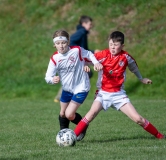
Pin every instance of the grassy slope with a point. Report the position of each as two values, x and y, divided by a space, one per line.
26 29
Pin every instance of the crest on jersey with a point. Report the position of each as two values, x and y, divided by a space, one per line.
72 59
121 63
111 71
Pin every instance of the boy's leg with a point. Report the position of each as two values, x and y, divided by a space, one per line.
77 118
152 129
63 121
83 124
76 121
131 112
74 117
64 102
71 114
76 101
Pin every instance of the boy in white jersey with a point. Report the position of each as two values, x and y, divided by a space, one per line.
110 85
69 63
80 38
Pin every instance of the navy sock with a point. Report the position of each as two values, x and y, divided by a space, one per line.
77 119
64 122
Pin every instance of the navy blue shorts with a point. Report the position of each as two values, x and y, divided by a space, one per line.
79 97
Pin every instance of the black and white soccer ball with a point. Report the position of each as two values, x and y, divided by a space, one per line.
66 137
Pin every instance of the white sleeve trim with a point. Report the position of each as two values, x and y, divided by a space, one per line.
89 55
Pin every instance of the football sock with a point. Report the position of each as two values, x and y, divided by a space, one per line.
77 118
151 129
82 125
64 122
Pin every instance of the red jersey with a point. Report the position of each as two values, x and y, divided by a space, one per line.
112 77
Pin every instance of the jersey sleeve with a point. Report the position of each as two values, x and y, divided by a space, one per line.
132 65
88 56
100 56
51 72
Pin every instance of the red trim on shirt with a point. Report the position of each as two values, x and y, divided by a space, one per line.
53 58
81 59
87 60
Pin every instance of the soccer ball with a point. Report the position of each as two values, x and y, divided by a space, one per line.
66 137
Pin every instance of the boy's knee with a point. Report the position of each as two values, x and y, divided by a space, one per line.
62 114
70 116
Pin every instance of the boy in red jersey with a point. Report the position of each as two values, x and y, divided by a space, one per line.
110 82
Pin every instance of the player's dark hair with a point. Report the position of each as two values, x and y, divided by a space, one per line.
85 19
117 36
61 33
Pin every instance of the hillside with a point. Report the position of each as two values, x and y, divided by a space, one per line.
26 29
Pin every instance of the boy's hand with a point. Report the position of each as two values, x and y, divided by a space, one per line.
146 81
56 79
86 69
98 67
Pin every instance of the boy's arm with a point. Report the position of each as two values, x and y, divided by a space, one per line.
90 57
51 72
146 81
134 68
86 68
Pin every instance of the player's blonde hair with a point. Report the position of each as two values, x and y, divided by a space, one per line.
61 33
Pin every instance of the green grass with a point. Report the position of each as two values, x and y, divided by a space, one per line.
29 127
28 115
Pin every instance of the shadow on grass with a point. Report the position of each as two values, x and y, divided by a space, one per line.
121 139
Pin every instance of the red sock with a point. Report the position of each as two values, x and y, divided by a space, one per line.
82 125
152 130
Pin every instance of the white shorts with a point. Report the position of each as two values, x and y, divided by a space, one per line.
115 99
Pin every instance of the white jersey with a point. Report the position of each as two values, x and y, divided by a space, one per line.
70 68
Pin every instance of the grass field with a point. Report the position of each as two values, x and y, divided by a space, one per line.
29 127
28 115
